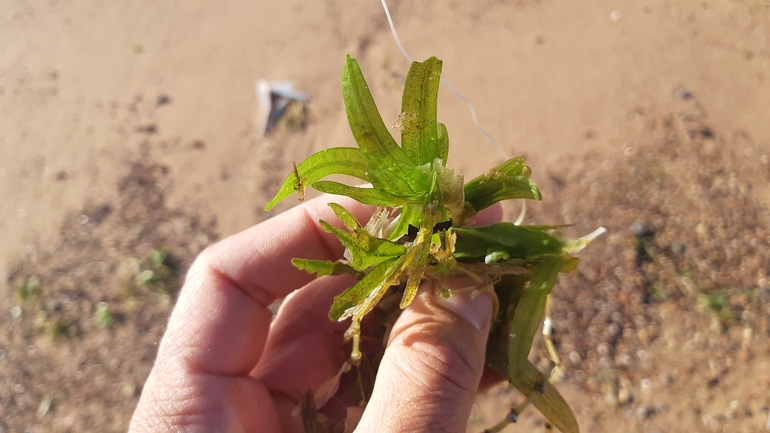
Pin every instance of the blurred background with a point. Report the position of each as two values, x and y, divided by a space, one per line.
130 138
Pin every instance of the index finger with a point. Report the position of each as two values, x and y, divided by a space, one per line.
258 259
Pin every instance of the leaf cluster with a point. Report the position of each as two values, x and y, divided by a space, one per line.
419 229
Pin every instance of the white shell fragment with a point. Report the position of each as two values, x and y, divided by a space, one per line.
273 98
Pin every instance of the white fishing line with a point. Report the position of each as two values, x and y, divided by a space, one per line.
503 152
446 83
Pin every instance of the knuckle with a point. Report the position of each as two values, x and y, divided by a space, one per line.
449 368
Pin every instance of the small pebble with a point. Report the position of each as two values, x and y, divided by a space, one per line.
16 312
624 396
52 305
43 408
642 413
127 389
666 378
611 399
683 94
640 229
162 100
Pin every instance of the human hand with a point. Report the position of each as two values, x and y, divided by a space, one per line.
223 366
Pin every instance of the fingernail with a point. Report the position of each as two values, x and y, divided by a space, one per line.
477 310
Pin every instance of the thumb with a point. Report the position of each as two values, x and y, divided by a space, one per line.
430 372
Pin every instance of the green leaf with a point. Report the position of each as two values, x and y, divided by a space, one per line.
365 250
512 167
529 311
411 214
434 140
371 196
400 180
347 218
545 273
419 125
393 171
507 238
482 195
324 267
549 402
509 180
509 291
337 160
496 256
367 126
528 380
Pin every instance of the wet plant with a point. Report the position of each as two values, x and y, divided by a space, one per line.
420 230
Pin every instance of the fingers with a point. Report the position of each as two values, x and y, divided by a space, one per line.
218 329
429 375
220 323
219 326
221 320
259 258
305 348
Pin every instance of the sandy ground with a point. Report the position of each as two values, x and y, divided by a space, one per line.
549 80
89 88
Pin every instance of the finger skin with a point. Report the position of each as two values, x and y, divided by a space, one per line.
431 370
430 373
221 320
304 348
205 377
490 215
219 326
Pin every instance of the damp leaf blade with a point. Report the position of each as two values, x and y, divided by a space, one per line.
372 196
515 241
550 402
337 160
324 267
420 130
364 249
529 311
482 195
367 126
506 181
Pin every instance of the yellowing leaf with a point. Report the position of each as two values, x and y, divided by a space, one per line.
323 267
